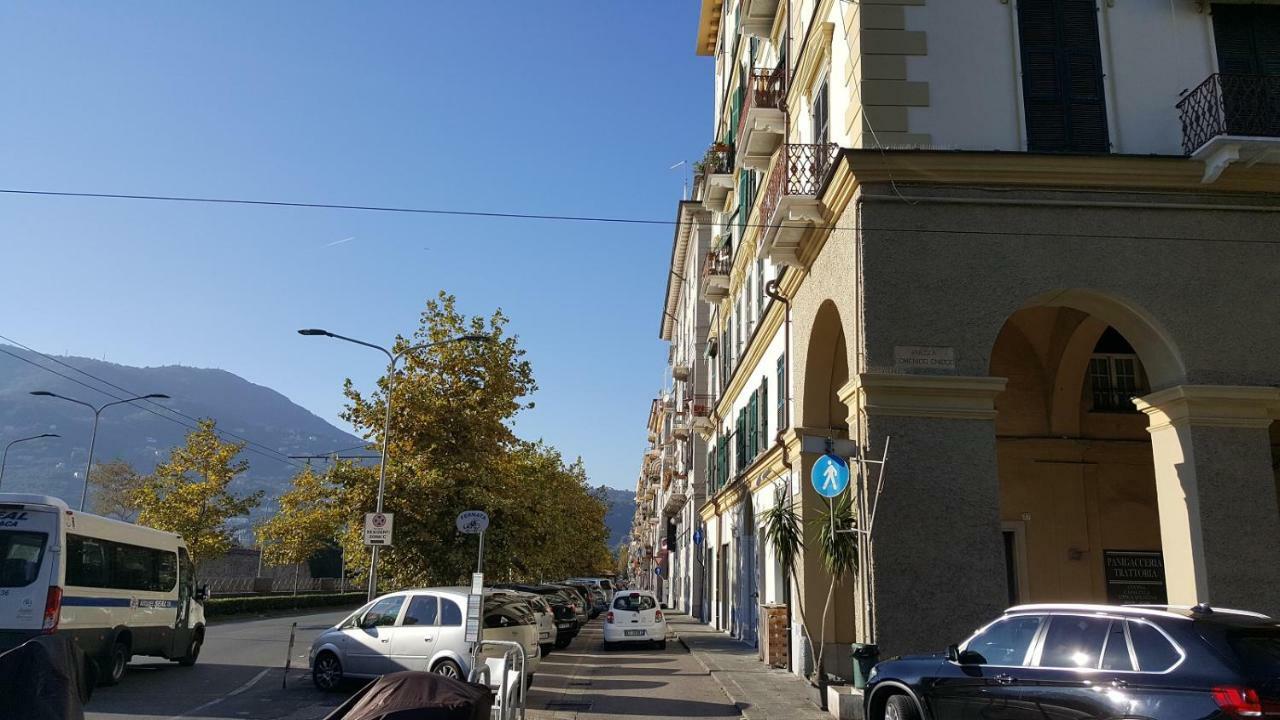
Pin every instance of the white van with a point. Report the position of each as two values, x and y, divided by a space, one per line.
118 589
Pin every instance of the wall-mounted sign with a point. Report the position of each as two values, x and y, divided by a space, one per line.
1134 577
923 358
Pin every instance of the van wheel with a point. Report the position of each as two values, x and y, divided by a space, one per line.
327 672
117 660
193 651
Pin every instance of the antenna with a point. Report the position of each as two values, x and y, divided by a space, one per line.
684 193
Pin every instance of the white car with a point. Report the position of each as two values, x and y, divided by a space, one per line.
545 615
635 616
419 630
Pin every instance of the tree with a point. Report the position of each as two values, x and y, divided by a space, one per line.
307 522
452 448
622 560
190 493
115 488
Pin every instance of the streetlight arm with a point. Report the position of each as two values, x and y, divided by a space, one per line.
379 348
46 393
155 396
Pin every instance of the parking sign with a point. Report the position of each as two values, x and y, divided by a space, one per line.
377 528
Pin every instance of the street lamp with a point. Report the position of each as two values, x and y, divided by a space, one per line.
5 456
93 437
392 359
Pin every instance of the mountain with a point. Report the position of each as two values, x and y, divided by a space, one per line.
133 433
622 507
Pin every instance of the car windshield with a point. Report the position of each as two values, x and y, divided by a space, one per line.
20 557
634 602
1259 652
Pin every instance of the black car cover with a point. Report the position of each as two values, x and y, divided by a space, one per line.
417 696
44 679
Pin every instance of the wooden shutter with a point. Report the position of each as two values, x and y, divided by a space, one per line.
764 412
753 426
780 386
1062 76
1247 39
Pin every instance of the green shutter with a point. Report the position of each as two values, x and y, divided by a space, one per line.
764 413
782 395
753 426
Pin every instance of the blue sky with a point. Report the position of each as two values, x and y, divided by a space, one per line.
557 107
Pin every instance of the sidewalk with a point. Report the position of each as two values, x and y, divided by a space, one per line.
760 692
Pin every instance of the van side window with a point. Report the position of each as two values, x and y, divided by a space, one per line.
93 562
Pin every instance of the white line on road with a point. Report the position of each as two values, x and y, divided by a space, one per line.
243 688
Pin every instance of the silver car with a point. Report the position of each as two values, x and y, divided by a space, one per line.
418 630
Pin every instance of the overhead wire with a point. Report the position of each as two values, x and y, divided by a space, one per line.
250 444
640 221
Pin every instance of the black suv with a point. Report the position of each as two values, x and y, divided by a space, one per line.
1060 662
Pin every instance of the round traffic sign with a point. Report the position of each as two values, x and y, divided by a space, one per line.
472 522
379 520
830 475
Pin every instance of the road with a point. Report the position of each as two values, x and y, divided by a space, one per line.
241 668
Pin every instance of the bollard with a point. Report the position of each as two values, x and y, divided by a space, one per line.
288 658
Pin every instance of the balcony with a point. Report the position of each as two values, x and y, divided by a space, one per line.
700 407
715 276
790 205
681 425
1231 118
676 497
757 16
761 123
681 371
717 171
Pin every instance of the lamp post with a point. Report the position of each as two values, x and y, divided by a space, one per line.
5 457
392 359
93 437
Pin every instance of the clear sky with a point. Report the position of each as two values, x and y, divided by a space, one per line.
554 106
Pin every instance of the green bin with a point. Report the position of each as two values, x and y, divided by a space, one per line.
864 657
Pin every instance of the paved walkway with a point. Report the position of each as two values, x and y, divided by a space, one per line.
760 692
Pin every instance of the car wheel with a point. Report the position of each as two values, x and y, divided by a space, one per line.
608 646
662 644
562 643
117 661
326 673
900 707
547 648
193 651
449 669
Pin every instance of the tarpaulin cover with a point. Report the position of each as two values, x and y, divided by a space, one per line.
417 696
44 679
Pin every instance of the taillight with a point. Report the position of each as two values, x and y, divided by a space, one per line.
609 618
658 616
1238 702
52 609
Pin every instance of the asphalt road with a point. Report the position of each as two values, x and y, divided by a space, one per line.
238 675
242 665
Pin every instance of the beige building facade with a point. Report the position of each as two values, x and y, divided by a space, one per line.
1033 244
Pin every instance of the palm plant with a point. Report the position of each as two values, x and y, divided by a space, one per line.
837 538
782 528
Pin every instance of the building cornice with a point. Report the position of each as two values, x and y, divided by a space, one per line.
949 397
1211 406
709 18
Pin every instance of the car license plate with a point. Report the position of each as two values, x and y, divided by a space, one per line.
633 633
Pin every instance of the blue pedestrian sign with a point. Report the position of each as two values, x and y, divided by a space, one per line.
697 537
830 475
658 571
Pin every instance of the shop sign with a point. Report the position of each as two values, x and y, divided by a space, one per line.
1134 577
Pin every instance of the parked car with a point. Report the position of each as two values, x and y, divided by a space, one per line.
635 616
585 593
1056 662
542 612
418 630
569 609
596 601
600 583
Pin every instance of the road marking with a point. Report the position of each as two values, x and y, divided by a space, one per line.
243 688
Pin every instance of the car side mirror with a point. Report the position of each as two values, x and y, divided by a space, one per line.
953 653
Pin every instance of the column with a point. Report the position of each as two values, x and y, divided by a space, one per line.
1216 489
937 557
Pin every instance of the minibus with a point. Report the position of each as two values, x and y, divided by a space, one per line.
116 588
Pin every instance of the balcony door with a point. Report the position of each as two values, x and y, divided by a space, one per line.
1247 39
1062 85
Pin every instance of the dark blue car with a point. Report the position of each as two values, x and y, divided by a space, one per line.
1071 662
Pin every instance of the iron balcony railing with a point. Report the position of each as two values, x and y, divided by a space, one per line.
1109 400
1246 105
717 263
801 170
763 90
718 160
700 406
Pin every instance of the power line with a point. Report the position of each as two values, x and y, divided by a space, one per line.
278 456
625 221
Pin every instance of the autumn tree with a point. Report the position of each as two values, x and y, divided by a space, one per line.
452 448
308 520
190 493
115 488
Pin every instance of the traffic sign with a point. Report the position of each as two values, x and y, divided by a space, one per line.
658 571
830 475
473 522
377 528
697 537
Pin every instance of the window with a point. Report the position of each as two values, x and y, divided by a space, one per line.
21 554
1115 375
93 562
1115 654
1247 38
1062 76
634 603
1007 641
1154 651
760 288
821 114
450 613
1074 641
383 612
753 427
422 610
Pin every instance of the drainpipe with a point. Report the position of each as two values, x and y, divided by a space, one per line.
771 289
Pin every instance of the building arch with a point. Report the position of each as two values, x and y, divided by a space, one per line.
826 371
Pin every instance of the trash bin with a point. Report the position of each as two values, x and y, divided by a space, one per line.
864 657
